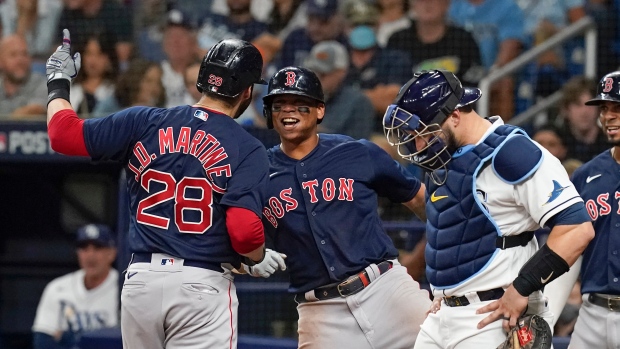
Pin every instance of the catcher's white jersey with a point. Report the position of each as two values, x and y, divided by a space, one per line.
66 305
517 208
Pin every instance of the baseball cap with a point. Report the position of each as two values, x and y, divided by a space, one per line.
359 12
362 37
321 8
327 56
176 17
98 234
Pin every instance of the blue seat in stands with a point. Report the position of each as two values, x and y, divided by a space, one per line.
560 342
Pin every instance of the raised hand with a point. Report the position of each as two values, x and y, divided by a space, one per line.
61 65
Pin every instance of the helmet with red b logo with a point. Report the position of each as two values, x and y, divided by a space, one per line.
294 81
608 89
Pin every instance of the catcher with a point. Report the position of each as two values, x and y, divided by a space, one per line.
489 187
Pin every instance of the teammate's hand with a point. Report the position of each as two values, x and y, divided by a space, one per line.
268 266
435 306
508 308
61 65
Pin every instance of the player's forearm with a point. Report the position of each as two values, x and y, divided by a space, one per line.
417 205
55 106
569 241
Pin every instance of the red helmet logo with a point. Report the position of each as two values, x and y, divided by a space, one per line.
609 85
290 78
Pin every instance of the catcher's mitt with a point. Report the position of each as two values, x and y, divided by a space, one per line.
531 332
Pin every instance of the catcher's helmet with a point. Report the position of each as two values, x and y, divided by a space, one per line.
295 81
229 67
420 108
608 89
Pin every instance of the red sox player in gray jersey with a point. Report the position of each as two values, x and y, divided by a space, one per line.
322 212
196 182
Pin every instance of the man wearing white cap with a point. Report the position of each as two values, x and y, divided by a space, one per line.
348 111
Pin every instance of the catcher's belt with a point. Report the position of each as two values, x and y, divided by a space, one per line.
609 302
351 285
531 332
454 301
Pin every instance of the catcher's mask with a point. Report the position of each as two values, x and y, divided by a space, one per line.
417 113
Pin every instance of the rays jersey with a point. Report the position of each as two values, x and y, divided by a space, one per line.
514 208
183 166
66 305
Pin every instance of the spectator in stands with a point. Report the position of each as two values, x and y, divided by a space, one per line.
497 26
377 71
286 16
394 18
582 133
140 85
84 18
325 22
552 138
348 111
543 19
190 77
36 20
239 24
181 51
87 299
432 43
22 93
91 90
150 21
606 15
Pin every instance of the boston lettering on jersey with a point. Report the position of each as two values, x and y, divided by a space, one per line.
203 146
277 207
601 206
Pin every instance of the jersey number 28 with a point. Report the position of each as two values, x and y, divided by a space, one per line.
173 190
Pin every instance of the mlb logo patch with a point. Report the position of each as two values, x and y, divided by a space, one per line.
201 115
167 261
3 142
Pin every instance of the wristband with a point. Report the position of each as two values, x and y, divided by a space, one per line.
249 262
58 88
544 267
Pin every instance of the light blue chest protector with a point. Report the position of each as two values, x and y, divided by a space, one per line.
462 236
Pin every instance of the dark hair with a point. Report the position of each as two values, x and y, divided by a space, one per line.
467 108
128 85
277 21
554 129
108 47
405 6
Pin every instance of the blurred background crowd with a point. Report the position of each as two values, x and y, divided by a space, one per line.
148 53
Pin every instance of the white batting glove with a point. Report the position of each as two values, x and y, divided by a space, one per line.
270 264
61 65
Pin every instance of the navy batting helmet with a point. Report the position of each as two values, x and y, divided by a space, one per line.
420 108
294 81
608 89
229 67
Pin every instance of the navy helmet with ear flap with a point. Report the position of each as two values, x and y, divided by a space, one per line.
608 89
294 81
230 66
419 110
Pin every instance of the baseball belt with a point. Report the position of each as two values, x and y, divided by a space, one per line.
350 286
142 257
611 303
461 301
504 242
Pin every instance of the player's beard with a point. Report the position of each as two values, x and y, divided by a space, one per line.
242 107
451 143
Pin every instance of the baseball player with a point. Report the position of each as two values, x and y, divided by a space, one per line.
322 212
196 182
598 182
84 300
489 187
